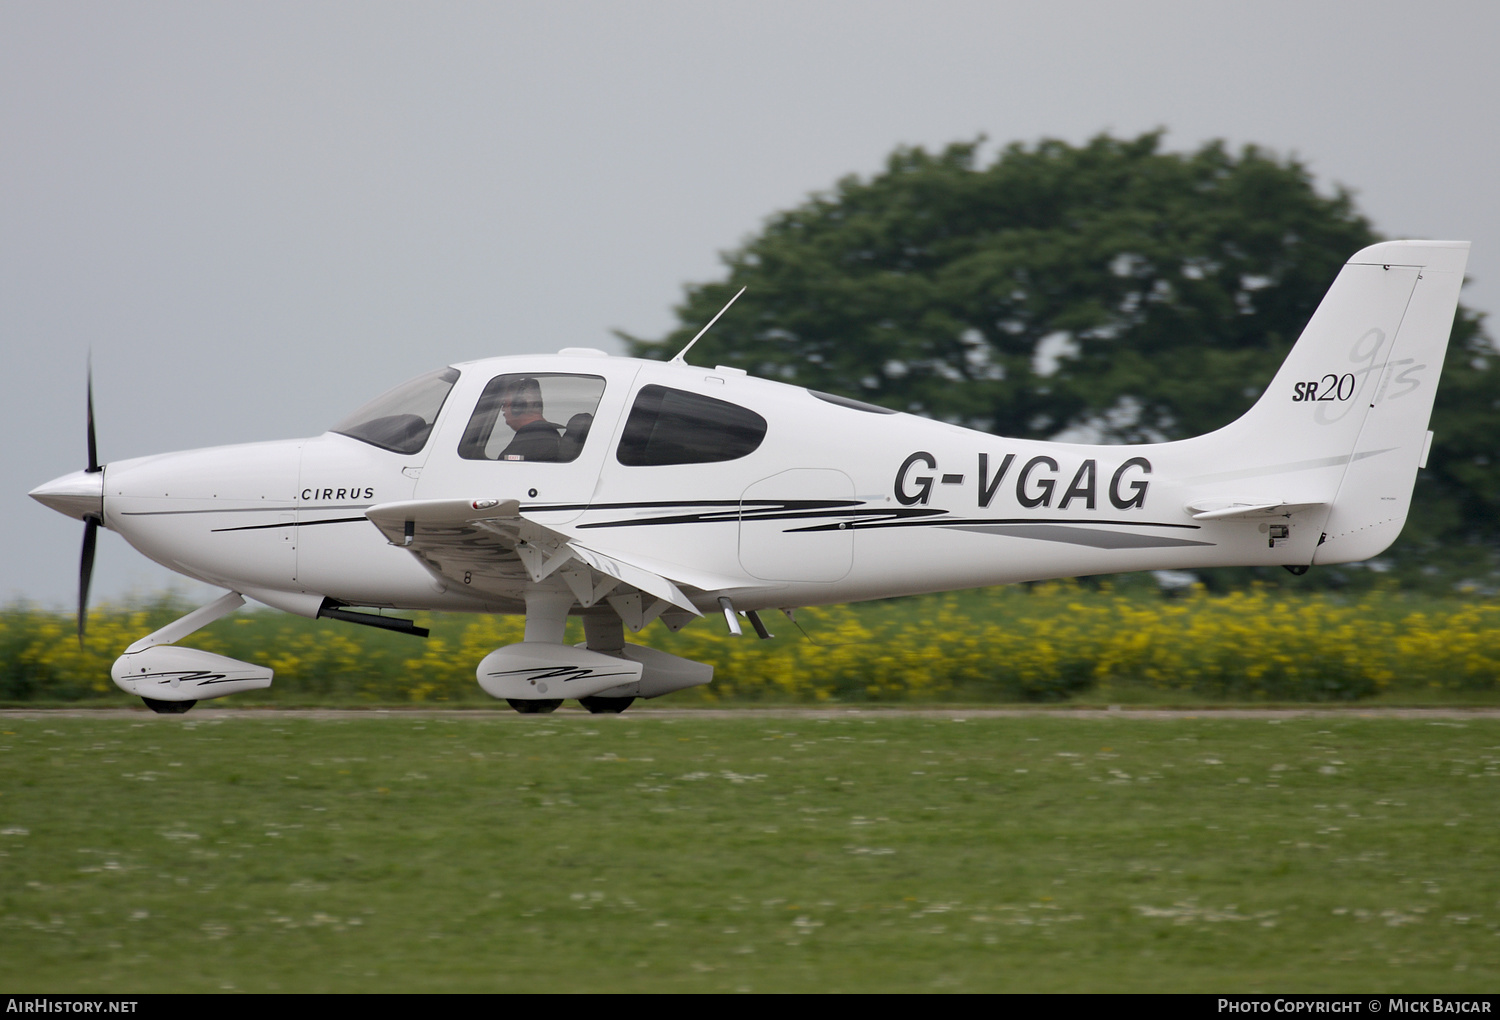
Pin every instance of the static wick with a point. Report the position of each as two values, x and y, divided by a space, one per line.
683 353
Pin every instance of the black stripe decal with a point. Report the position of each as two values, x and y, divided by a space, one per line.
231 510
295 524
766 510
846 514
969 523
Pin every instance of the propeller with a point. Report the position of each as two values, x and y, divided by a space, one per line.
93 443
90 521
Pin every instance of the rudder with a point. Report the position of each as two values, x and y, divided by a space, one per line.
1394 400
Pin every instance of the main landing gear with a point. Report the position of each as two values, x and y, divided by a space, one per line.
603 674
546 618
596 705
538 707
606 706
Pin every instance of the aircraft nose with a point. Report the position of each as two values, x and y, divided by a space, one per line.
80 494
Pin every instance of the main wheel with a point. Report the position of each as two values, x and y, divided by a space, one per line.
168 707
606 706
529 707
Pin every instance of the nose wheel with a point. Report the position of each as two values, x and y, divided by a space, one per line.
168 707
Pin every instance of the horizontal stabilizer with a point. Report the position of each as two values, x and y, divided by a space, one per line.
1225 510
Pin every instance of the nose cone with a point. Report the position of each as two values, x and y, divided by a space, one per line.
80 494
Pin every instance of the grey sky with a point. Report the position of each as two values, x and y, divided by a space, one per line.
259 215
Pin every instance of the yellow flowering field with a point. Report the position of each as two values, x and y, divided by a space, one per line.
1054 641
1045 642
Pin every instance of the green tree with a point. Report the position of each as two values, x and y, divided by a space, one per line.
1112 290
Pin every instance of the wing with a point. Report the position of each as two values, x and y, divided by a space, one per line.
488 545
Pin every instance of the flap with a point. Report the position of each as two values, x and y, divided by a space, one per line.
488 545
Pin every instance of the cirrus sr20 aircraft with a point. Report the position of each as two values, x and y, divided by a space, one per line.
627 491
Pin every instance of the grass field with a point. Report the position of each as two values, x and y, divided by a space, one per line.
487 851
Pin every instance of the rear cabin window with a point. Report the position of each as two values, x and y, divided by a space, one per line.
401 419
543 417
669 426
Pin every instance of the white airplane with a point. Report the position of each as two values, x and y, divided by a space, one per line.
627 491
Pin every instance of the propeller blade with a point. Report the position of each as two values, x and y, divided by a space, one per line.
93 443
86 572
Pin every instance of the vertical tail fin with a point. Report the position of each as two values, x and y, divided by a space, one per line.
1345 420
1396 403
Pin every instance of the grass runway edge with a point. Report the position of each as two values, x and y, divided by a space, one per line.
762 850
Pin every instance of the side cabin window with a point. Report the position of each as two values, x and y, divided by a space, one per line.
542 417
401 419
669 426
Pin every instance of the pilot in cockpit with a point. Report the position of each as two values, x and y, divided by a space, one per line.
536 438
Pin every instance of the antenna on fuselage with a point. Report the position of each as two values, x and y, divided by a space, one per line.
683 353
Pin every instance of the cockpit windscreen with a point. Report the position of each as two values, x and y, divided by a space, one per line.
401 419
